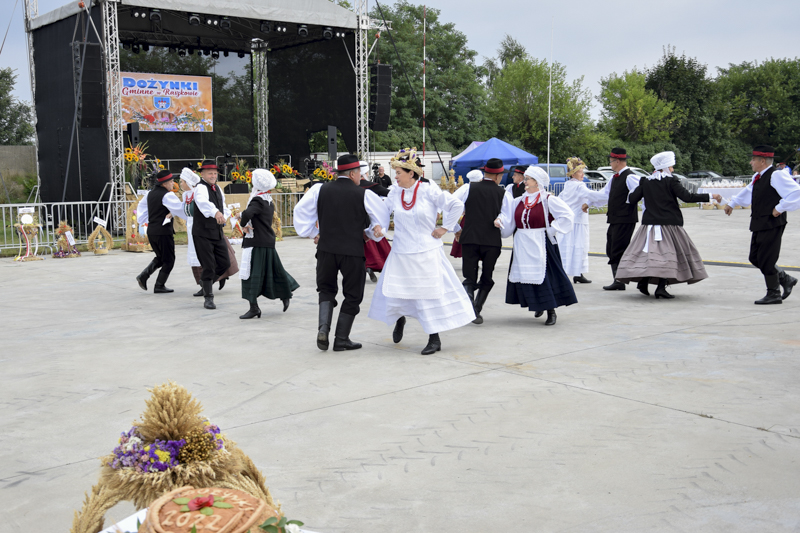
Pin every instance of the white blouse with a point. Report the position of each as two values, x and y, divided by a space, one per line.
306 214
575 194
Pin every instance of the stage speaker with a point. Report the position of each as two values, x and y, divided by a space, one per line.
332 150
91 96
380 96
133 133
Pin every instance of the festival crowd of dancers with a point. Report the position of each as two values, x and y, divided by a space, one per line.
347 218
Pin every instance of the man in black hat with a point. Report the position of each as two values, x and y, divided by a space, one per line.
517 185
771 194
621 215
210 214
336 215
480 240
162 204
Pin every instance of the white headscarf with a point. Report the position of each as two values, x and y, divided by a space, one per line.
539 175
363 167
474 175
661 162
263 182
190 177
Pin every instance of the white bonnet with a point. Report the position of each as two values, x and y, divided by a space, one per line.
474 175
663 160
190 177
539 175
263 180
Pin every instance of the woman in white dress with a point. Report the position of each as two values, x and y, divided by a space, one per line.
418 280
574 245
536 279
189 181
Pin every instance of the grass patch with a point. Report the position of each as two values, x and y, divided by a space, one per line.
17 188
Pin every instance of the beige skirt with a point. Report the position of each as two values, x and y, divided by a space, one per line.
673 258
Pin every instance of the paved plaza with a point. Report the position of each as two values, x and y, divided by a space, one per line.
629 415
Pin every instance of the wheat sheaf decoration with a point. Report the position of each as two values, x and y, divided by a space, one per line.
171 446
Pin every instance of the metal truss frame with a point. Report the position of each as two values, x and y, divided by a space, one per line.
261 96
361 67
116 145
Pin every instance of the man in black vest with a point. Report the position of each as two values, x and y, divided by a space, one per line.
344 211
771 194
621 215
517 185
210 214
162 204
374 252
480 239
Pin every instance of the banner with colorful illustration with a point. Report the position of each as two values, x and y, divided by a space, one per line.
167 102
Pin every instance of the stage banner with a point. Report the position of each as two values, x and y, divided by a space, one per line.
167 102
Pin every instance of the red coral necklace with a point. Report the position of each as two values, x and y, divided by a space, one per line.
408 205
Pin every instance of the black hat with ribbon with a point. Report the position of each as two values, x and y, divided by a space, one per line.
346 163
164 175
494 166
209 164
618 153
764 150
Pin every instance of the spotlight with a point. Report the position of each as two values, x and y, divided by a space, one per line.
241 54
155 15
280 28
181 52
194 19
302 30
225 53
146 47
189 51
135 48
212 21
139 13
340 34
206 52
215 54
126 46
225 23
327 33
265 27
171 49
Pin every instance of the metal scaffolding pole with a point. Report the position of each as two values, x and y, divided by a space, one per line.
31 11
115 122
362 79
261 93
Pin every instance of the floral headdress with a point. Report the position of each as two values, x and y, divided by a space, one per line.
407 159
574 164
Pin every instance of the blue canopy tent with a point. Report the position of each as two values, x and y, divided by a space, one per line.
493 148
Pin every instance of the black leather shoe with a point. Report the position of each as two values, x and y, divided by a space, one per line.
222 283
580 279
161 289
434 344
642 286
208 294
340 345
551 318
198 293
537 314
253 312
325 318
773 297
286 303
342 340
480 300
397 334
788 283
616 286
372 277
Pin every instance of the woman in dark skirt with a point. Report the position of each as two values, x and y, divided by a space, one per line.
536 279
262 273
661 252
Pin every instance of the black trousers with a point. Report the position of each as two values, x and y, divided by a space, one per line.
164 247
765 247
354 274
213 257
471 255
618 237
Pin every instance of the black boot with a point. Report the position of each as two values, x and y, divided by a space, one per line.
642 286
208 294
342 340
580 279
787 282
397 334
325 318
773 291
161 289
253 312
661 290
372 277
537 314
199 293
286 302
480 299
146 273
551 318
433 346
616 285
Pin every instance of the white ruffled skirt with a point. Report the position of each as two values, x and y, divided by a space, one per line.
574 249
191 255
422 286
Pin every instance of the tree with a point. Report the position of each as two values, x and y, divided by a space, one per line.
633 113
16 118
456 103
510 50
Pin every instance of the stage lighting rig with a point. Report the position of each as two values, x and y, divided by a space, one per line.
327 33
225 23
155 16
194 19
126 46
225 53
206 52
302 30
265 27
171 49
340 34
280 28
212 21
135 48
240 54
215 54
146 47
139 13
181 52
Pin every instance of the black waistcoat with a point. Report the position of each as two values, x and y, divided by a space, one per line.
765 198
480 211
377 188
619 211
259 213
518 189
157 212
203 226
342 218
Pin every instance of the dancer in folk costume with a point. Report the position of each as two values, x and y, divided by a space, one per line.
517 185
375 252
337 215
262 272
480 239
189 181
574 245
473 176
418 280
621 216
661 252
771 194
536 279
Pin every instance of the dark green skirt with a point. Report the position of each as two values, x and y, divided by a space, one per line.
267 277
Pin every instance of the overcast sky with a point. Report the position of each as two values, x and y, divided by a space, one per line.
592 38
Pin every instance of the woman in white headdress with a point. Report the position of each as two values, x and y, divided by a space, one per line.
189 181
574 245
661 251
536 279
418 280
262 272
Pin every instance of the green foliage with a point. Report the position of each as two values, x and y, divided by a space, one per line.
633 113
16 118
456 99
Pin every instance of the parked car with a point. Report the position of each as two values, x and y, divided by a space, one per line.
690 185
597 176
700 175
636 170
